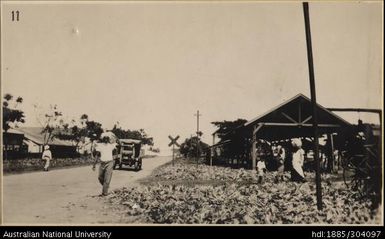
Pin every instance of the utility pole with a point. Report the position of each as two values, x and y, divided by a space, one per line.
313 102
212 151
197 115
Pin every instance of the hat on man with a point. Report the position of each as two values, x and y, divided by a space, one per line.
108 135
296 142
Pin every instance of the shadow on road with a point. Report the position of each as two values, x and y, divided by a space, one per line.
128 169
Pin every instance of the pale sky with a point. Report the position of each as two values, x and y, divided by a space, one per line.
153 65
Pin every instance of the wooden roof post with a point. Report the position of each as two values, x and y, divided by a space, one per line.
212 151
256 128
331 159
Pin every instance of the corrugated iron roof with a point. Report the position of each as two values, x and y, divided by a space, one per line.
130 141
13 131
292 119
35 134
290 101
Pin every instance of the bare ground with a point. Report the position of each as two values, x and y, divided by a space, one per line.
67 196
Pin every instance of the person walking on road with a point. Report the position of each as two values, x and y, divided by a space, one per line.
105 154
47 156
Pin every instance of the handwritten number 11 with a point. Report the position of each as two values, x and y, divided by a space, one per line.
15 15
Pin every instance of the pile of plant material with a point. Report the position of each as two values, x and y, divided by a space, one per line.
271 202
190 172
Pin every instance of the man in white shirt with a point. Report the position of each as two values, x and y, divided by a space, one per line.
105 149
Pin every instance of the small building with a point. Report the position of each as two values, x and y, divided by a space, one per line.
291 119
33 139
12 139
13 146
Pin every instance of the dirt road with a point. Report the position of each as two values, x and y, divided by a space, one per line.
65 196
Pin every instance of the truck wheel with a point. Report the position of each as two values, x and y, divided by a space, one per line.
139 164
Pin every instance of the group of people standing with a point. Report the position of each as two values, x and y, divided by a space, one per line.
276 158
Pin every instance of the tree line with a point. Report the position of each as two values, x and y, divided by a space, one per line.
193 146
54 125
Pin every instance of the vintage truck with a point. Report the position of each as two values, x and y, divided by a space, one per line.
129 153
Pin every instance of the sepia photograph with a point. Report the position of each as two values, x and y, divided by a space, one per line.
247 113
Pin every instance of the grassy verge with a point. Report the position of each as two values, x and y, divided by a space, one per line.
15 166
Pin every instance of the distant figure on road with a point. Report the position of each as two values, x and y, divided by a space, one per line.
106 148
47 156
297 174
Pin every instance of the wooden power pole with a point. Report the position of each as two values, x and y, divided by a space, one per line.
197 115
314 103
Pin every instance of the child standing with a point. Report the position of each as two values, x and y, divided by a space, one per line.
261 169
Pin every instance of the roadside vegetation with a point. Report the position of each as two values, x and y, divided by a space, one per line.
187 193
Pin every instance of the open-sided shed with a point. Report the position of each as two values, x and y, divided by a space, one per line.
291 119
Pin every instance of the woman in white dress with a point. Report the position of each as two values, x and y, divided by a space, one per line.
297 174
